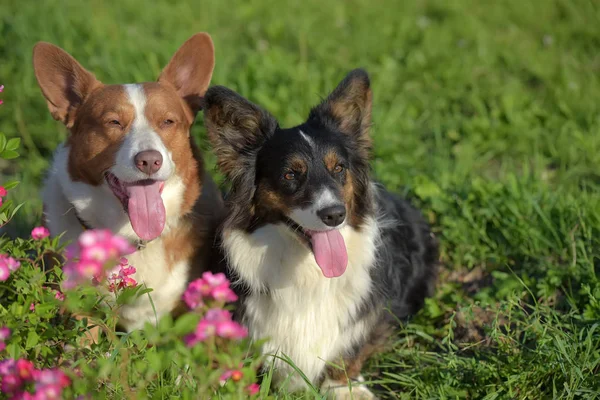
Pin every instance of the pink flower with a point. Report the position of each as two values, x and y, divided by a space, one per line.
4 272
129 282
253 389
10 383
24 369
214 280
2 346
215 286
224 376
7 265
119 278
40 232
235 375
51 377
217 315
98 252
121 245
224 293
90 237
126 271
1 88
3 191
32 307
48 392
231 330
13 264
90 257
59 296
193 295
4 333
205 329
7 366
89 269
1 101
191 340
49 383
216 322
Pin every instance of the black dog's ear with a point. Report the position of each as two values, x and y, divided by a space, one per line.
348 107
236 129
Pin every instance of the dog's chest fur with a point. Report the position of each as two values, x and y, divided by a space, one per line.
304 315
100 209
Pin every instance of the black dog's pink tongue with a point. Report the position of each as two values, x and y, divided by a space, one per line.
146 209
330 252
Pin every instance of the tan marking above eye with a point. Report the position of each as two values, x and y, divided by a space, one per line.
331 161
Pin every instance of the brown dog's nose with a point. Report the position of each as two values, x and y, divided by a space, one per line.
148 161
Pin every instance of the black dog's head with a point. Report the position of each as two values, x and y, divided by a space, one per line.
313 177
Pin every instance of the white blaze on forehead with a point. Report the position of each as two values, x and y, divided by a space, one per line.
137 98
310 141
141 136
307 217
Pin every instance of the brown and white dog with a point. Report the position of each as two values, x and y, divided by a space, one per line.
130 165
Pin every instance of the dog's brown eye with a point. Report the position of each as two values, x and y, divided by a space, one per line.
115 122
168 122
338 168
290 176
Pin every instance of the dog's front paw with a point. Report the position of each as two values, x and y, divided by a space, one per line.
336 390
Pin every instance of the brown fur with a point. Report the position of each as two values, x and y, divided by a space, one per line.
64 82
87 107
331 160
348 110
243 126
352 108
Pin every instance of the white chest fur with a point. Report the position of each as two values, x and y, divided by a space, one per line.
100 208
302 314
167 281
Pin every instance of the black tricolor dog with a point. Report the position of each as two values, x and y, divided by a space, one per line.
318 250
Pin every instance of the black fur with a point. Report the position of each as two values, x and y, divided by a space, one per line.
256 154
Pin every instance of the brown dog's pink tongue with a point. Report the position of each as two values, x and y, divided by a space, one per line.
330 252
146 210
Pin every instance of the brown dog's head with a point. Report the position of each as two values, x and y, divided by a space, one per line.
129 157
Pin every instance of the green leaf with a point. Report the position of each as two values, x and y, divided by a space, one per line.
9 154
13 144
186 323
154 361
10 184
2 142
32 340
130 294
14 211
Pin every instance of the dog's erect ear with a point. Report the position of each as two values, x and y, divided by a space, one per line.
348 107
236 129
190 69
64 82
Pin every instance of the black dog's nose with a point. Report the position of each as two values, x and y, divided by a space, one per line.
148 161
332 216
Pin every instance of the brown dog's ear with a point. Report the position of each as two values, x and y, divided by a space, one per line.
190 69
64 82
348 107
236 128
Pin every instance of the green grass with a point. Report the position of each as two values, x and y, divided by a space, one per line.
487 114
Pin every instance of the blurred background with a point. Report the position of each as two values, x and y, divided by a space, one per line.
486 114
462 89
